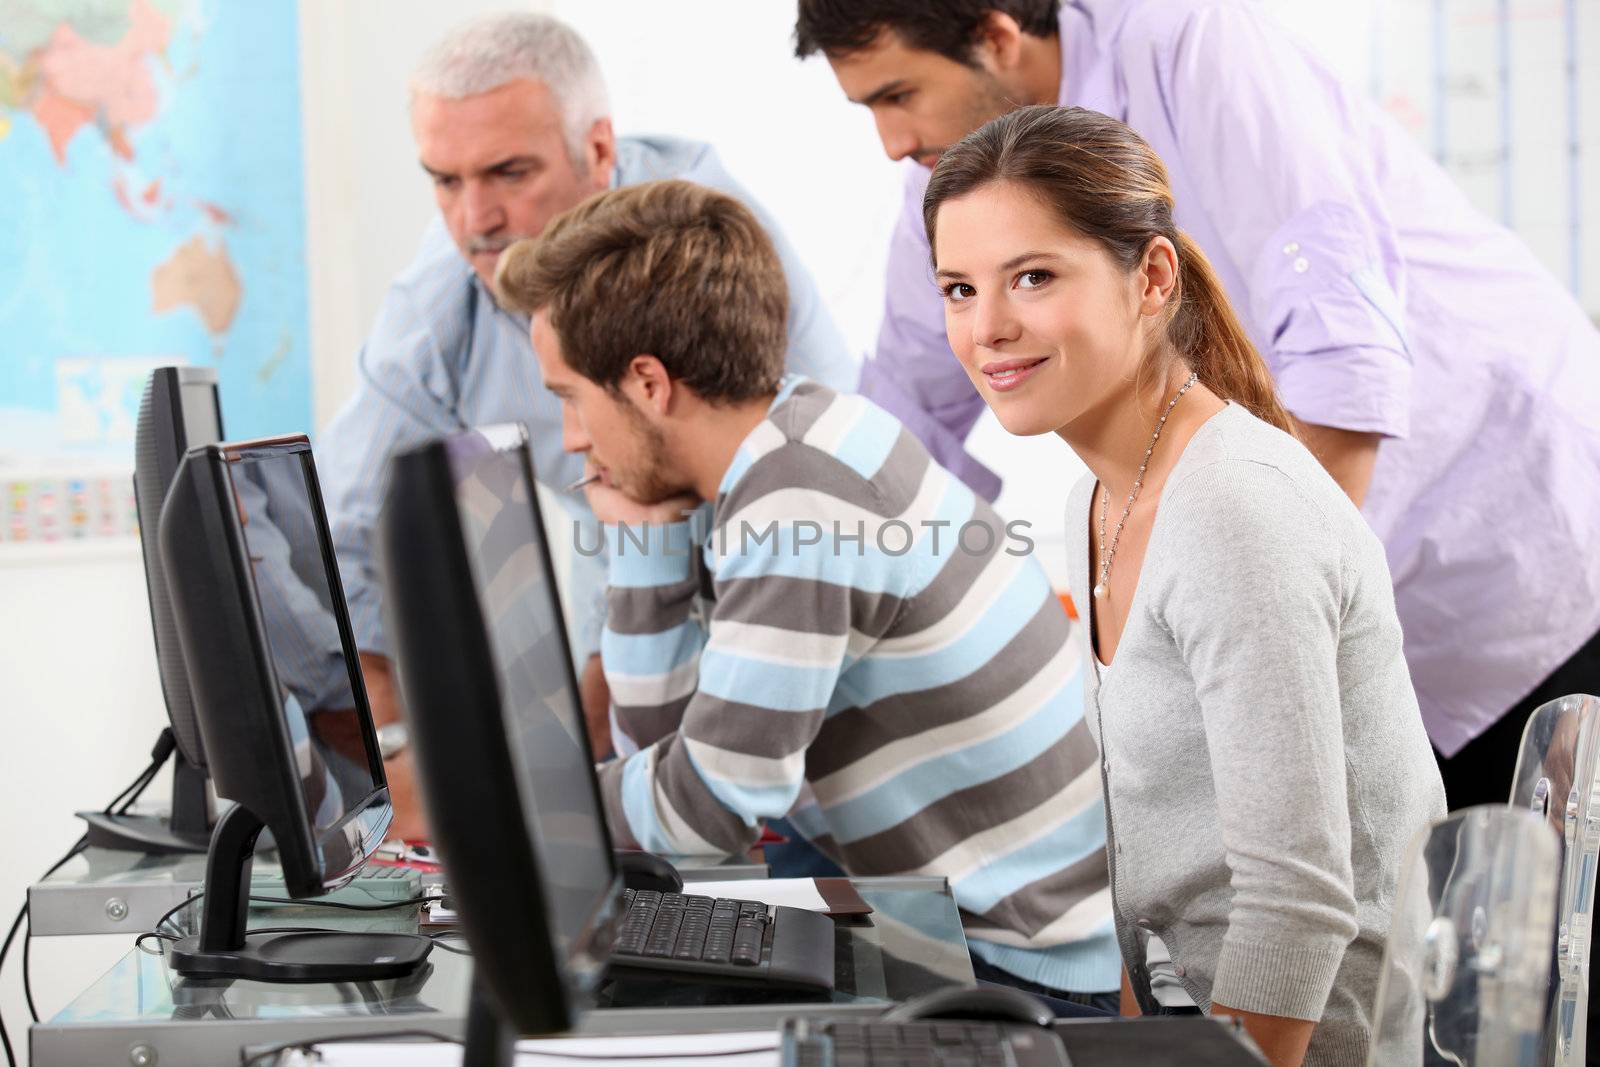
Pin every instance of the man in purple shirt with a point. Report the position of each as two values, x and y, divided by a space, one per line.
1441 374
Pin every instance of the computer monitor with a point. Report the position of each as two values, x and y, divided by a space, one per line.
180 410
496 723
261 619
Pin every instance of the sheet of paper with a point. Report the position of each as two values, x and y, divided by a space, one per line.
757 1049
787 892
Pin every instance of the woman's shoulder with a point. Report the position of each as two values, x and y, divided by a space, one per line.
1249 482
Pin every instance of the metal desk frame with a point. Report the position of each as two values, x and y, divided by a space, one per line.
929 948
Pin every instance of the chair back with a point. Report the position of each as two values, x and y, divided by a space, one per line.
1556 780
1466 971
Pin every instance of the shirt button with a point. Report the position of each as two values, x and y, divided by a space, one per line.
1291 248
1143 924
1177 969
1302 265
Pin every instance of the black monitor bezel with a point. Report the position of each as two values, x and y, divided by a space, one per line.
446 666
231 668
164 393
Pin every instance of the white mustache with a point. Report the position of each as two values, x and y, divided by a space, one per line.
497 245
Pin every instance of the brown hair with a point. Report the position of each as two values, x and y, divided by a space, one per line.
1105 182
669 269
949 27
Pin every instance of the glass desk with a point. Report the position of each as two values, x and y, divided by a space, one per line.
109 891
142 1014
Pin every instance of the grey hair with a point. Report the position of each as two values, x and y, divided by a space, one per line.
491 51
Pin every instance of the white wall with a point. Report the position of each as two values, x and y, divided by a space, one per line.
367 200
80 710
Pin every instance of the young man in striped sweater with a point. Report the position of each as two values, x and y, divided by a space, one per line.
808 616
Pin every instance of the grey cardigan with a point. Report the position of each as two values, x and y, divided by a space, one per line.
1263 756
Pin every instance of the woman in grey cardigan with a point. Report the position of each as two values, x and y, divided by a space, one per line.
1263 757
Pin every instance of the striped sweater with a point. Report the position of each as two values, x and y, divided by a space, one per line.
850 637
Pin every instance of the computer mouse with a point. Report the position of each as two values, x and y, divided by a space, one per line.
985 1003
646 870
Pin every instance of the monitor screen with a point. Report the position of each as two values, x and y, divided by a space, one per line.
202 419
296 590
511 568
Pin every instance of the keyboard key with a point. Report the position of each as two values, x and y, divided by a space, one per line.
687 927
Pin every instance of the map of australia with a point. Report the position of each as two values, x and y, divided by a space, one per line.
151 152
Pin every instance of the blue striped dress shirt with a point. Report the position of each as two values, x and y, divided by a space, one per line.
443 356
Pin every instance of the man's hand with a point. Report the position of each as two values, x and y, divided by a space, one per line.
595 696
410 823
382 696
613 507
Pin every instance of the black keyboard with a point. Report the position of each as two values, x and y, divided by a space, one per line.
945 1043
722 938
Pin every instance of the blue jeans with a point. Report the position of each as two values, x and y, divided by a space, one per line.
1066 1005
797 858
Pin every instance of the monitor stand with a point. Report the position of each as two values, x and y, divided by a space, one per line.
186 830
224 948
491 1042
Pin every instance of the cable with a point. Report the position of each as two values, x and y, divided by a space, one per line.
313 902
140 787
27 939
310 902
138 942
111 808
306 1044
130 794
27 981
166 742
439 941
5 1038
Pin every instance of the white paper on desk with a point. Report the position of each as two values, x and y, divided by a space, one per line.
785 892
670 1050
662 1050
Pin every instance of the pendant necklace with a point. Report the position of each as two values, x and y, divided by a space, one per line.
1106 555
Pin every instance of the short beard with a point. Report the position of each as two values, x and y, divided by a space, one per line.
987 103
650 484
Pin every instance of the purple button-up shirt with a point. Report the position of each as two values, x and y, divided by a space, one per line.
1383 302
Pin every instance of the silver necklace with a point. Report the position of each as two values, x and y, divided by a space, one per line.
1106 556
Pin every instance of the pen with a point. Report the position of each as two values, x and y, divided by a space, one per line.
588 479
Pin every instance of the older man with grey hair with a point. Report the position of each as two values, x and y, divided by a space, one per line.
513 127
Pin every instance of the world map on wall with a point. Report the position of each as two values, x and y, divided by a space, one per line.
153 213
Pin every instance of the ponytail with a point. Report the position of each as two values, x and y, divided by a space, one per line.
1208 334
